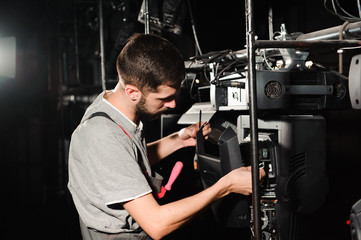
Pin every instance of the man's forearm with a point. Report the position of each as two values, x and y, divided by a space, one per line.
160 220
163 147
186 209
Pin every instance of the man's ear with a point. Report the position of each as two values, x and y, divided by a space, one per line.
132 92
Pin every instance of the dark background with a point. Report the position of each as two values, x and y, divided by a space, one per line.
58 75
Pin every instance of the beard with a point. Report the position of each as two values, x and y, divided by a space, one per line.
144 112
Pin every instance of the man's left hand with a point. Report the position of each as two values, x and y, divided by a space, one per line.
188 135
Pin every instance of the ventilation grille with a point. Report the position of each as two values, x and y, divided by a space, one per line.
339 90
273 90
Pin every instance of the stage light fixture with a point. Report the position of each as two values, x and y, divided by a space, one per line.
7 57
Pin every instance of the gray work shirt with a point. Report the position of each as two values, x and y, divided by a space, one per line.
104 168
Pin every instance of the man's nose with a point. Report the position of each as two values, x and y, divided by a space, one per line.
170 104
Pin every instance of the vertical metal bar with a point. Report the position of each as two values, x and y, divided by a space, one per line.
253 119
270 22
146 16
101 39
340 51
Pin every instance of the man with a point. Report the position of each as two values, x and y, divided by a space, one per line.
110 175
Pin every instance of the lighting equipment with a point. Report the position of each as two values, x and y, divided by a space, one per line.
7 57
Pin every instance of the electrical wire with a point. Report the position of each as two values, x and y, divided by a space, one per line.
211 57
191 89
194 28
218 75
266 60
343 77
340 12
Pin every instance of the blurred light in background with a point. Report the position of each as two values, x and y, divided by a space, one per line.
7 57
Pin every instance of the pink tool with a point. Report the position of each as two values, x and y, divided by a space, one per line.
173 176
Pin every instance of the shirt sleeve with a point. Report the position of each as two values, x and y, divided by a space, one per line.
111 159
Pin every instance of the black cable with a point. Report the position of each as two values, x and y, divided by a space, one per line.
216 78
193 27
340 12
343 77
343 10
213 56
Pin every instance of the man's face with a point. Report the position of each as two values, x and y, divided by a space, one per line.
153 104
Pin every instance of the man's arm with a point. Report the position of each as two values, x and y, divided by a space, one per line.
160 220
163 147
184 138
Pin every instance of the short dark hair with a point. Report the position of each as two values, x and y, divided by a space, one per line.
148 61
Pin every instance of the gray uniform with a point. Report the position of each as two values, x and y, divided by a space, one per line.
107 165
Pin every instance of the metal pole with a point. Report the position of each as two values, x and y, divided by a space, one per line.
307 43
253 120
270 22
350 31
146 16
101 39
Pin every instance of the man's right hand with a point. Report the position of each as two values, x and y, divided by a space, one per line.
240 180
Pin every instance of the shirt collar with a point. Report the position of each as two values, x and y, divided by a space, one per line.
139 127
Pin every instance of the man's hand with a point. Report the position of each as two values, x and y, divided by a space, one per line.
188 135
262 172
240 180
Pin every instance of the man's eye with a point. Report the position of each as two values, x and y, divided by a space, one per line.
167 99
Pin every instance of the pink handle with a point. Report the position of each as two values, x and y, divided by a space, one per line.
174 174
